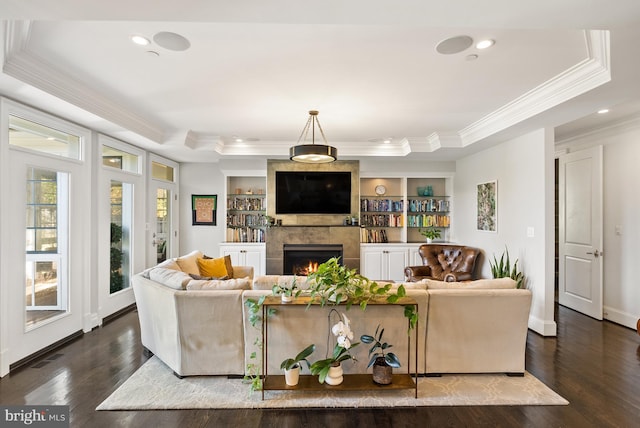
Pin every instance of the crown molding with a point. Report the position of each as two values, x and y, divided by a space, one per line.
28 68
596 135
588 74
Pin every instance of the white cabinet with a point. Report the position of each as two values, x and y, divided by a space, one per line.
246 254
384 261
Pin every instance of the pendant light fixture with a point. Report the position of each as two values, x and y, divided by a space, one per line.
312 153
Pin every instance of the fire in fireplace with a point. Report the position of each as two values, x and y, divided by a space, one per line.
303 259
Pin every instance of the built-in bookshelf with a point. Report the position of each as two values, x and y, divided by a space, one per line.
246 209
382 210
394 210
428 205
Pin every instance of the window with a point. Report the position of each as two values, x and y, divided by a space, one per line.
119 159
161 172
35 137
121 221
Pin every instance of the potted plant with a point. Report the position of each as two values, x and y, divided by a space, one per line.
430 233
287 292
382 362
291 366
329 369
334 283
503 268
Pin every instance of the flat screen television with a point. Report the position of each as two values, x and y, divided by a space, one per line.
313 192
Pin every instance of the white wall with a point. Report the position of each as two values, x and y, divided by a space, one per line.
523 168
621 270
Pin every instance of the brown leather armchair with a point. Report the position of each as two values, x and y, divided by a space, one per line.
444 262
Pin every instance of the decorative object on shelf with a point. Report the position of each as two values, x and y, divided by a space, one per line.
312 153
203 209
383 362
291 366
380 190
503 268
287 292
430 233
487 201
329 369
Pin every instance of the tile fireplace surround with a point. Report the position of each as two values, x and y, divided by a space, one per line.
276 237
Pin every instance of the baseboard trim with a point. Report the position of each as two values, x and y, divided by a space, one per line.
118 314
37 355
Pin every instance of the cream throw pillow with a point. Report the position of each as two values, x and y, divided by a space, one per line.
175 279
189 262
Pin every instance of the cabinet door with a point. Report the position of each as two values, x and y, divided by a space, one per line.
396 261
237 257
372 263
255 257
414 256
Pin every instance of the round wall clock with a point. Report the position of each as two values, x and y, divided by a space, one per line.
380 190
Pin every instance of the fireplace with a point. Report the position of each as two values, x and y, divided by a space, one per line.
303 259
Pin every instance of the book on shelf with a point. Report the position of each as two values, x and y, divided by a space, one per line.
381 220
241 203
381 205
373 236
244 234
428 220
428 205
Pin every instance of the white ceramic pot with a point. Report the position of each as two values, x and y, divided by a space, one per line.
286 299
334 377
291 377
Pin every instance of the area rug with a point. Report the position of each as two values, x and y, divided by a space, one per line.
154 386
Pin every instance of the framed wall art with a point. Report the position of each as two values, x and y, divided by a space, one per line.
487 200
204 210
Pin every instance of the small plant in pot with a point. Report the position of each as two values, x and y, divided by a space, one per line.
291 366
382 362
287 292
430 233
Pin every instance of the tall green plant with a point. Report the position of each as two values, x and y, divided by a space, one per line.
503 269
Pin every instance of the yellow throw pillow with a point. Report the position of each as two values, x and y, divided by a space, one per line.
227 262
213 267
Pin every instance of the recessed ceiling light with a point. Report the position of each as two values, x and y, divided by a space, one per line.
387 140
471 57
153 54
140 40
239 140
603 111
483 44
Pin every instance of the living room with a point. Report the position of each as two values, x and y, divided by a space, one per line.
520 159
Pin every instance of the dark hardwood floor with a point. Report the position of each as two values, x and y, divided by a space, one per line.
595 365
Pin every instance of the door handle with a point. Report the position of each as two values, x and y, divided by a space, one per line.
596 253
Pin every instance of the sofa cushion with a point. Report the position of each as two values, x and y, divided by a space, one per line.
167 264
497 283
175 279
189 262
266 282
217 284
213 267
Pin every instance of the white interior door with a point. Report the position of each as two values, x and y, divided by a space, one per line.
580 227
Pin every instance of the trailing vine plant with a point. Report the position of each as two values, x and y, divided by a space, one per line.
253 368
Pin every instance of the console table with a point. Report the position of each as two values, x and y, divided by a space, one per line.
352 382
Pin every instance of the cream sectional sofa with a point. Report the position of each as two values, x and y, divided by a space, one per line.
202 328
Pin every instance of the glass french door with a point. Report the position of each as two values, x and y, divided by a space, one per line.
162 214
46 285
